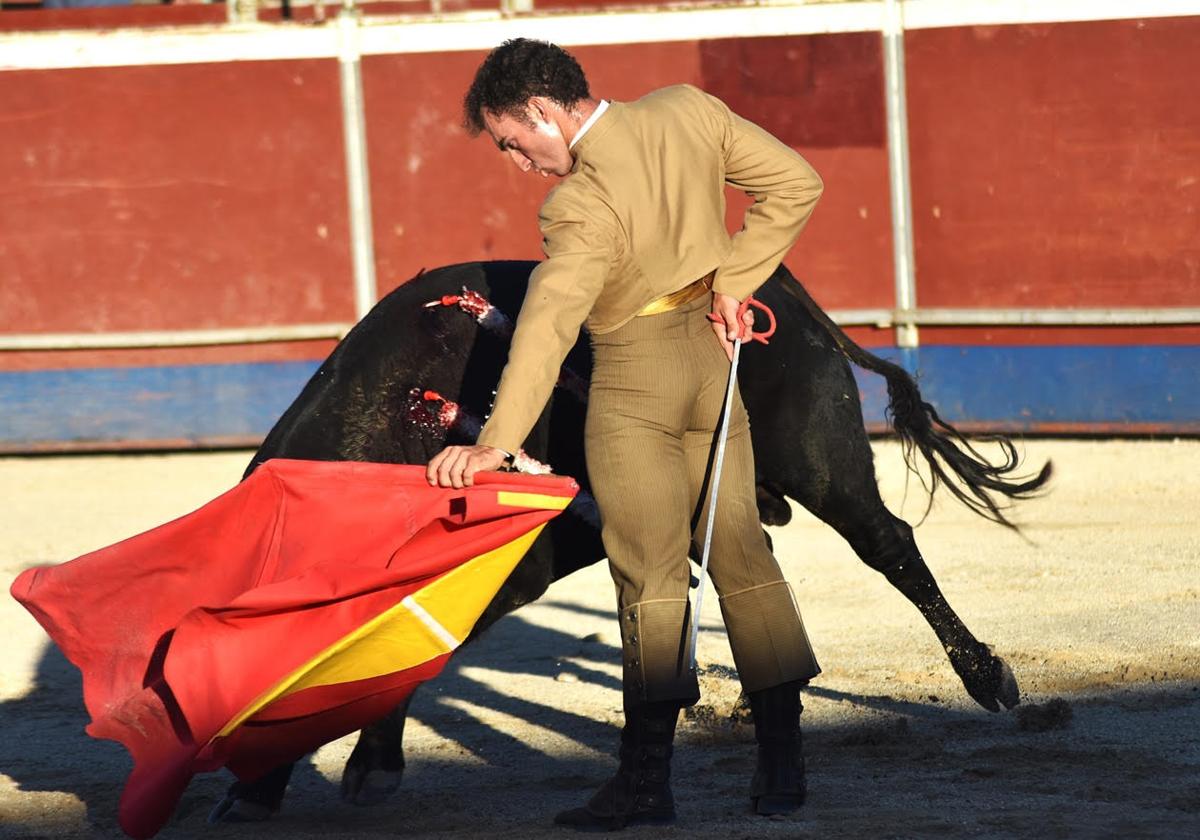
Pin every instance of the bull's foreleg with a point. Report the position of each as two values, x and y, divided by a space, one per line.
372 773
376 766
253 801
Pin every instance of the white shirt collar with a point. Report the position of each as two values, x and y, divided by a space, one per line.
600 109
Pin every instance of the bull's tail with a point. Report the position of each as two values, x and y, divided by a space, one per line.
953 461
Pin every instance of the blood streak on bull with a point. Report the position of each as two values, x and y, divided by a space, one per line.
500 325
432 412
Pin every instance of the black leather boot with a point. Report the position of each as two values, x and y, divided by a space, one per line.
778 786
640 792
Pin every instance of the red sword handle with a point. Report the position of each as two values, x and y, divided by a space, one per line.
748 333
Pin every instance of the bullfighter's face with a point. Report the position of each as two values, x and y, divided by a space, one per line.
537 144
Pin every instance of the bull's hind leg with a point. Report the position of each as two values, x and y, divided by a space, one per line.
833 475
886 544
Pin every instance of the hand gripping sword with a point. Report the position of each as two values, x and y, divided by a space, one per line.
747 334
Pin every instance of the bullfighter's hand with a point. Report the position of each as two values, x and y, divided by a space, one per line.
455 466
725 307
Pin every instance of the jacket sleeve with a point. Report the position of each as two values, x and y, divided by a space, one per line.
785 190
580 250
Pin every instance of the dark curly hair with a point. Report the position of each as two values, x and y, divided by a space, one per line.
517 70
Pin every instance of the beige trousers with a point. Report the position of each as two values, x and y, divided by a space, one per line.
657 391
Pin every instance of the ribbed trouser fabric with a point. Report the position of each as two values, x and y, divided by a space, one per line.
657 392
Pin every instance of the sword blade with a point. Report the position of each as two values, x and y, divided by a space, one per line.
715 484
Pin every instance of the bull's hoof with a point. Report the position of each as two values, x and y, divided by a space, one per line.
773 508
1009 693
231 809
987 678
369 787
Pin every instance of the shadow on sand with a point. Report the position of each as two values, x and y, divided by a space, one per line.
887 745
44 747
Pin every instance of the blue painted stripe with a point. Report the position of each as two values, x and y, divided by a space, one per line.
1101 387
191 402
1030 387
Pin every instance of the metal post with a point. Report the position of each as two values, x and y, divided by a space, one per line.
241 11
362 245
901 191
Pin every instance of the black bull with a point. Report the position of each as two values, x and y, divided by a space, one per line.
368 402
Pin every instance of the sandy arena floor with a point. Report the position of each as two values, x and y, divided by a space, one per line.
1098 604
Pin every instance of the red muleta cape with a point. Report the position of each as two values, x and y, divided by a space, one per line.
298 607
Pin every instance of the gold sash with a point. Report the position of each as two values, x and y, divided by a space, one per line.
679 297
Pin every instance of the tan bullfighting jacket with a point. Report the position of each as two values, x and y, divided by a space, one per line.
642 214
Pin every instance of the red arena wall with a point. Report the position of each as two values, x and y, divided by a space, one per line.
1053 164
172 197
1056 165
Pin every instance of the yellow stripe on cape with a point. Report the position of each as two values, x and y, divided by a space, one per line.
398 638
536 501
